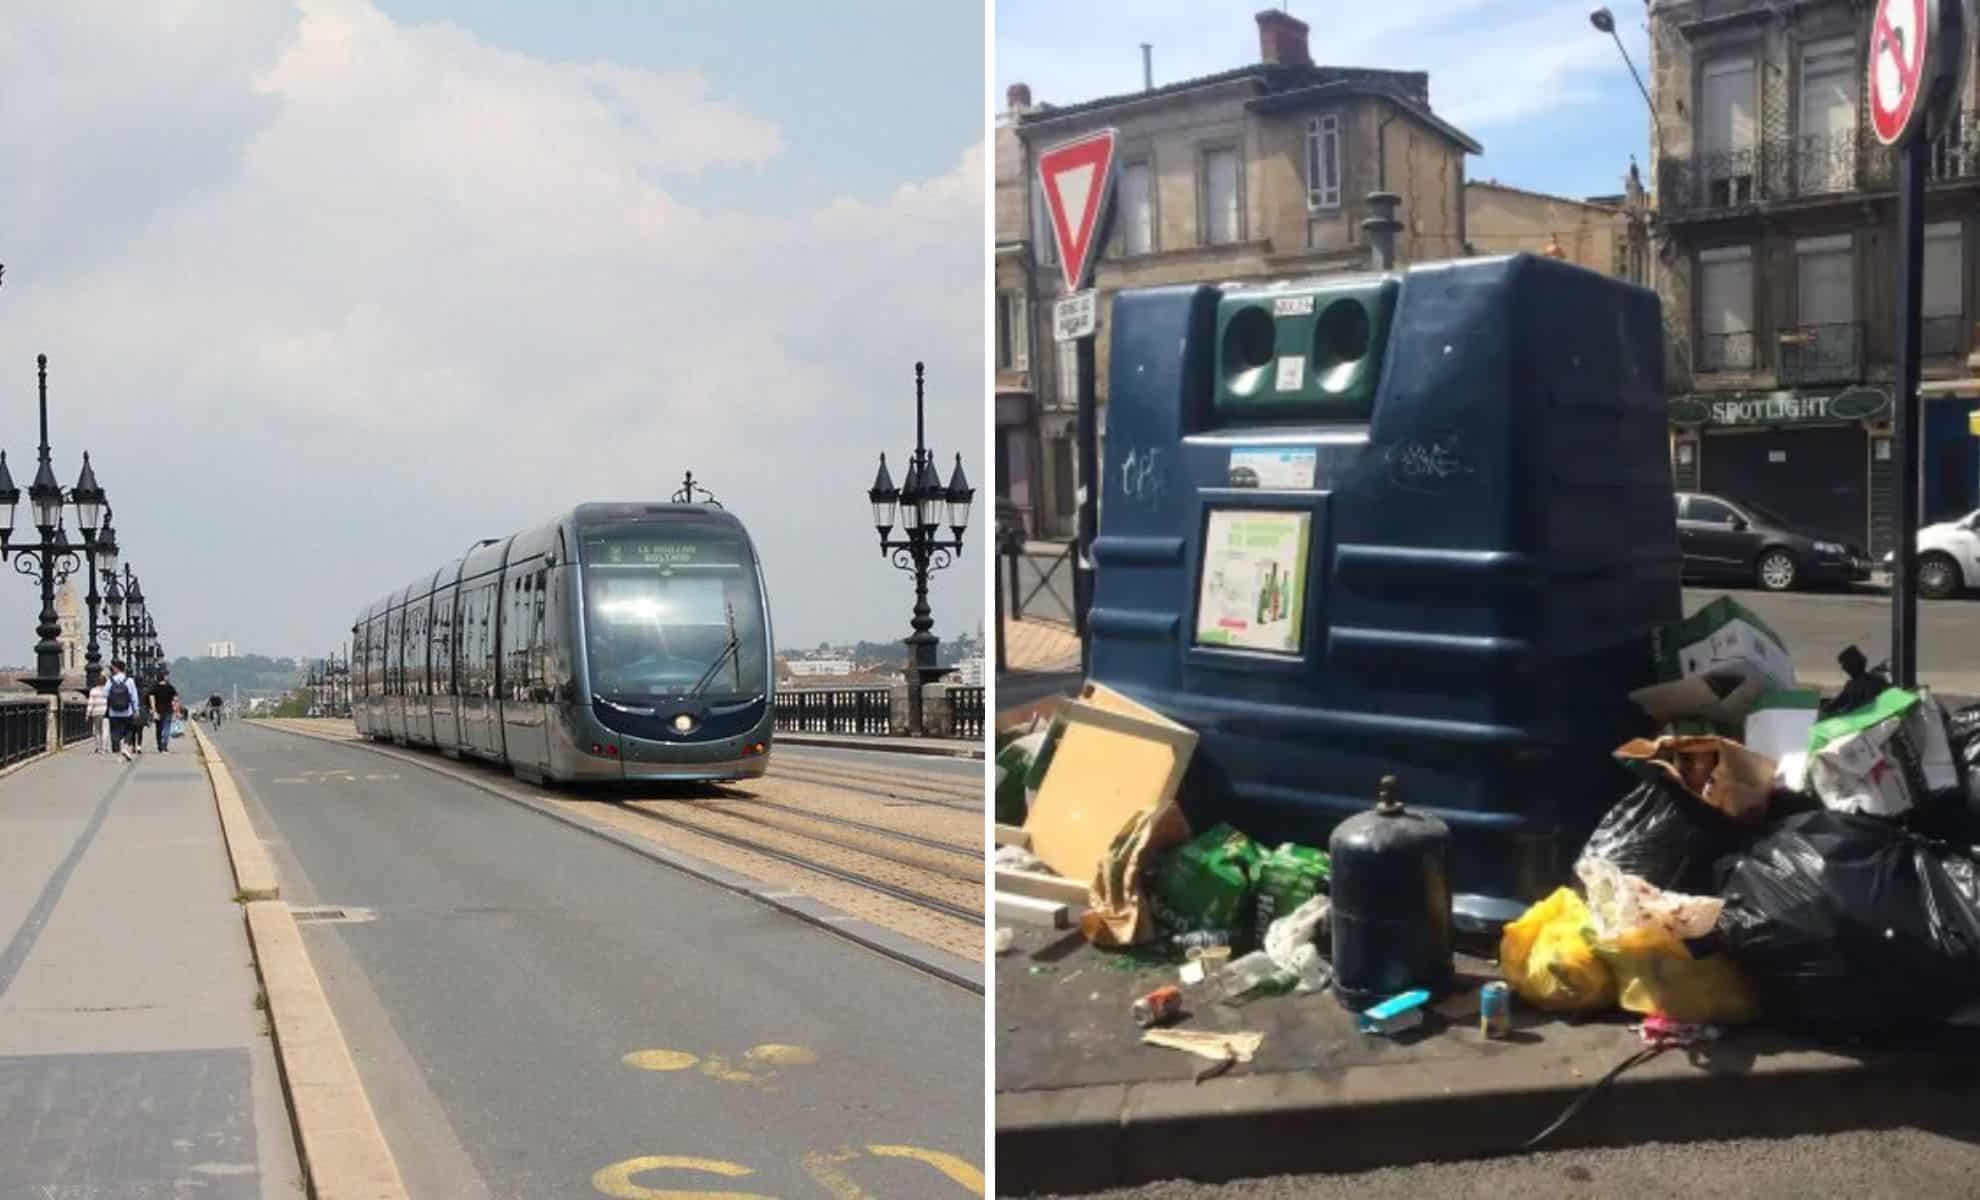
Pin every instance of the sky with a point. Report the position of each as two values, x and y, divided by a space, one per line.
1546 94
331 289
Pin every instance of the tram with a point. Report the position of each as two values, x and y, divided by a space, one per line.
617 641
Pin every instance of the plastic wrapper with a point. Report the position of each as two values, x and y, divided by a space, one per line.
1868 760
1850 924
1656 975
1619 903
1292 942
1253 976
1287 878
1661 835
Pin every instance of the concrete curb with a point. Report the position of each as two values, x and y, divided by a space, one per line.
947 967
892 746
253 874
343 1151
1336 1121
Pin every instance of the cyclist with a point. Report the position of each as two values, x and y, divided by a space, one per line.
213 706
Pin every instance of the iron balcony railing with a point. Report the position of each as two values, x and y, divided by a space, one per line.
1815 354
1810 166
23 729
866 710
1726 352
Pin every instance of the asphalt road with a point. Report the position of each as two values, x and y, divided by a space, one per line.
537 1012
1870 1165
1818 625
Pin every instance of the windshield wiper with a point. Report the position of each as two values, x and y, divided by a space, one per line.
730 651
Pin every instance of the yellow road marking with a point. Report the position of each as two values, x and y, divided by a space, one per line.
948 1164
778 1055
715 1067
824 1171
616 1180
660 1060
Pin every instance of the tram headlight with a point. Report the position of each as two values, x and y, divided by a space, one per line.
683 723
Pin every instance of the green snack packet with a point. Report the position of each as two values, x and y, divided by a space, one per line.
1287 878
1014 763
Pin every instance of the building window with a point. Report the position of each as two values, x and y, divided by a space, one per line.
1006 355
1824 278
1221 225
1323 162
1825 150
1046 246
1135 197
1725 309
1943 324
1727 99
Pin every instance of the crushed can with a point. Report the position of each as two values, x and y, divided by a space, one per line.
1495 1010
1162 1004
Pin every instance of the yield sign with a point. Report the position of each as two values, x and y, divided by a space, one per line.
1898 63
1077 179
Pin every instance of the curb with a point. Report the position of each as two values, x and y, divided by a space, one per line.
904 746
1338 1121
902 949
343 1152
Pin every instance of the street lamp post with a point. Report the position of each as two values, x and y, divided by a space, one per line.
923 503
53 559
104 560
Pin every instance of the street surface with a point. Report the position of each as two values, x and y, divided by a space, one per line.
535 1011
1870 1165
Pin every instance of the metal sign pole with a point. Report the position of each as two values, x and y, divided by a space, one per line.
1910 285
1090 483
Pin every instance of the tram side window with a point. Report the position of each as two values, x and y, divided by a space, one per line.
516 650
422 648
539 673
491 632
470 642
443 652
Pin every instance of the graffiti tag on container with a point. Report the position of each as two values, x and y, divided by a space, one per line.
1141 475
1427 466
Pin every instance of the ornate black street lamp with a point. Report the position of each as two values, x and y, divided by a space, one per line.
104 562
53 559
924 507
126 600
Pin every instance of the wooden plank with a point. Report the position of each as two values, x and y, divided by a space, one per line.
1030 910
1041 886
1013 835
1108 767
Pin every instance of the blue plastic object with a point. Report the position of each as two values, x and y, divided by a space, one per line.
1440 561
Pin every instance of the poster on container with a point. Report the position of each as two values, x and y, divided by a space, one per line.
1253 587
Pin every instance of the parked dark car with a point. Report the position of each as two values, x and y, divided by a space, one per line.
1723 538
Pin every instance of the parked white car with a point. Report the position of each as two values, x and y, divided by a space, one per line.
1948 557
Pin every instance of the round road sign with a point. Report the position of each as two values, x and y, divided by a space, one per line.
1899 33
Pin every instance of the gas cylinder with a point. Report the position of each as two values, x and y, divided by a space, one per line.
1391 903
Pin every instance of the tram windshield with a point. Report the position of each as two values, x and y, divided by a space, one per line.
672 607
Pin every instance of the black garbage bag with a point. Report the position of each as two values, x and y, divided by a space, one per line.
1852 924
1660 834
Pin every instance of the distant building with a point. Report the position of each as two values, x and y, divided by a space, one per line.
1610 234
969 672
219 649
802 668
68 614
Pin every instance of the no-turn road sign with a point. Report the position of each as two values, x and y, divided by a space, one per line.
1900 37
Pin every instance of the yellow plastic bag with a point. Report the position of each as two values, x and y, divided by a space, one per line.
1656 974
1549 959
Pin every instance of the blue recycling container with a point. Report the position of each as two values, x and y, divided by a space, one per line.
1415 524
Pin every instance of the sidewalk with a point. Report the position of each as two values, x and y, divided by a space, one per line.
133 1061
933 746
1082 1105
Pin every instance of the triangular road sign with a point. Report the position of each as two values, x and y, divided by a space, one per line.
1077 179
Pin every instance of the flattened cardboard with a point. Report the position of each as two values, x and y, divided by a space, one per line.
1108 767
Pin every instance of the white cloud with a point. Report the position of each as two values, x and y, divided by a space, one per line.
414 289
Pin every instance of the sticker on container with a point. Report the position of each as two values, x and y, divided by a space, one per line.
1288 467
1292 306
1292 373
1252 593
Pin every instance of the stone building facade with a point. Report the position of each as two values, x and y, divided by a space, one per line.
1254 174
1777 267
1610 234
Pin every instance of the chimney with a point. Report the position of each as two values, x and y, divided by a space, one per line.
1018 96
1282 39
1381 227
1147 67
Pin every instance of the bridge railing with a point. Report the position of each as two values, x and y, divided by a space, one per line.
23 729
860 710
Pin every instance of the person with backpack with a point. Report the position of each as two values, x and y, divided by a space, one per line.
121 705
163 698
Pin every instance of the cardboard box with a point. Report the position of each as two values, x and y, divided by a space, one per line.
1780 722
1722 698
1724 635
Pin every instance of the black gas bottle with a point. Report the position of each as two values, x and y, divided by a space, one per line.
1391 903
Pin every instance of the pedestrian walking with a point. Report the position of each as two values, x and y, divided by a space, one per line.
97 708
122 707
163 697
